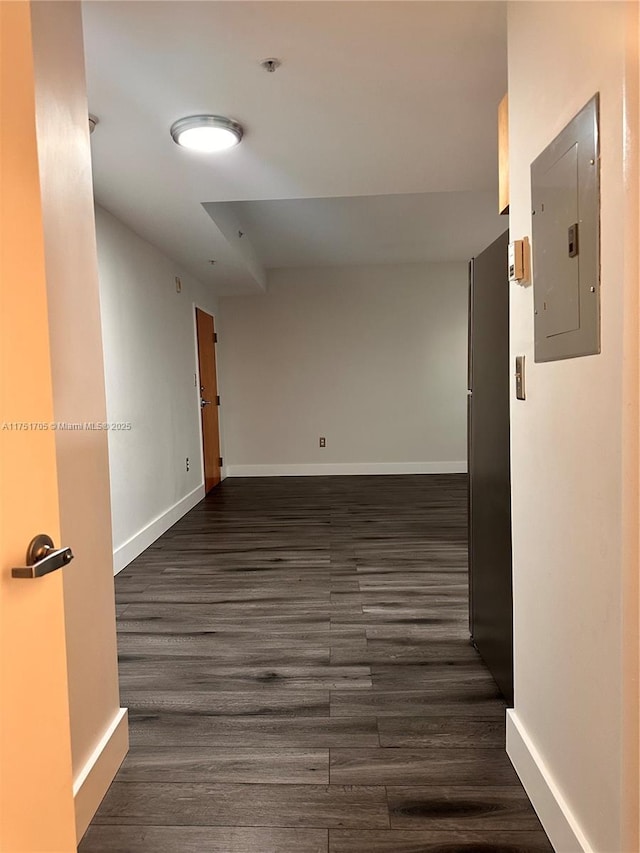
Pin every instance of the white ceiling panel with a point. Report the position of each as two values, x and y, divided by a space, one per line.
382 229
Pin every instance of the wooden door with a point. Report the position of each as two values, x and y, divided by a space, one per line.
36 789
208 398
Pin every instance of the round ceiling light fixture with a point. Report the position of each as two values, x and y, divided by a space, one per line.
206 133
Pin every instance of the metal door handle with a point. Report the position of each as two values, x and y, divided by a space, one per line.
42 558
204 403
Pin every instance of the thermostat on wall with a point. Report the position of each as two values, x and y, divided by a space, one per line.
519 260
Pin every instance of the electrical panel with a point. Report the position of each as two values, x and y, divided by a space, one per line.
565 194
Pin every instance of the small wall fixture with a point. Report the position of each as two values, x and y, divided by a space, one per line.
206 133
272 64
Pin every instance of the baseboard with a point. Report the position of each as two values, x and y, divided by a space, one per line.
133 547
346 469
97 774
555 815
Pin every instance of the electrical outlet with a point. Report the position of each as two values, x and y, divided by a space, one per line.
187 463
323 441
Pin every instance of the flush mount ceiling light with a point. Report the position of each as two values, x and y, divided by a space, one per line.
206 133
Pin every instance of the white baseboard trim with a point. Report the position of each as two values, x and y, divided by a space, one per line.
553 810
92 782
133 547
346 469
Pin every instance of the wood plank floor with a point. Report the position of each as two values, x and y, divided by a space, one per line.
295 658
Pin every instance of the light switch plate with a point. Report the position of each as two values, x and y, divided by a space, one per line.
520 390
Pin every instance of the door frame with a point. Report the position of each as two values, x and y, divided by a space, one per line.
198 305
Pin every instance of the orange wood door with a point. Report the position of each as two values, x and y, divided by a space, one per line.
36 786
208 399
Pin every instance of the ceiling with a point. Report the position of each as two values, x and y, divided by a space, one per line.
372 100
377 229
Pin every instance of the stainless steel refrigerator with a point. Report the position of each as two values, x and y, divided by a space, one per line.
490 578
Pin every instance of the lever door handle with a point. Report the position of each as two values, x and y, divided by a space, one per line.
42 558
204 403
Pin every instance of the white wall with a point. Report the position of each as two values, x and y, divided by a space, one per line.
373 358
567 735
150 365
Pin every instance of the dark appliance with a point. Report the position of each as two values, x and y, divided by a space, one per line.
490 579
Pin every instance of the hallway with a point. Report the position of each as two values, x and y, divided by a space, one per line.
294 655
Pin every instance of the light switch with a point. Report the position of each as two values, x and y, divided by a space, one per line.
520 392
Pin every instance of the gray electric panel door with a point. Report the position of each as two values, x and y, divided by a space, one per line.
565 237
490 586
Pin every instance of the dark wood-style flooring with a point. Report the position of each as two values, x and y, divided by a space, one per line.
294 654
